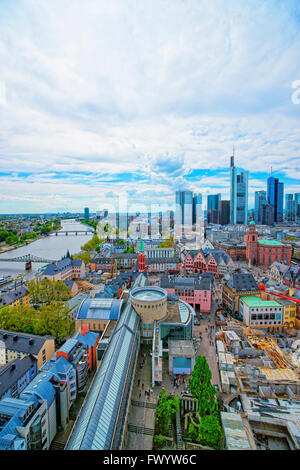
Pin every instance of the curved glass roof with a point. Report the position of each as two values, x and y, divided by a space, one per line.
184 312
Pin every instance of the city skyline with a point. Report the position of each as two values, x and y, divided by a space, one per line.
128 108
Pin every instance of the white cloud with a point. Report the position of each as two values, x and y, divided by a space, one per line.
111 87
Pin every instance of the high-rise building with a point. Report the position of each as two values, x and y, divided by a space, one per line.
275 197
238 195
86 213
213 202
189 219
232 190
260 199
197 207
242 198
121 225
224 212
267 214
184 212
297 199
291 209
198 220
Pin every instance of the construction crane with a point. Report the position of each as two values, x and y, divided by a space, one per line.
263 288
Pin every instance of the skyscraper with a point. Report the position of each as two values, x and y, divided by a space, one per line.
260 199
224 212
213 202
184 212
238 195
242 198
197 207
232 190
86 213
275 197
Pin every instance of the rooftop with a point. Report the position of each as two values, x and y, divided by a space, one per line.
100 308
148 294
270 242
253 301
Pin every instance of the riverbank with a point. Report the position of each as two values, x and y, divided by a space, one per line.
6 248
45 247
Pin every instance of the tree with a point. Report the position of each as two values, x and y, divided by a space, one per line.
169 243
166 407
85 257
210 432
201 388
192 432
158 441
91 244
48 290
54 319
18 318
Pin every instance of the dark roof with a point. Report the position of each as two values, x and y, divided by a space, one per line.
22 342
176 282
61 265
292 273
13 371
163 259
13 295
100 309
242 281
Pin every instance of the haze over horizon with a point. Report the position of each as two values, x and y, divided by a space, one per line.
101 99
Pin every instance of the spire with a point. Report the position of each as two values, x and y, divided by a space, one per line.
232 157
141 245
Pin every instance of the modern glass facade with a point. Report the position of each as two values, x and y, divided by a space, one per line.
260 199
197 208
184 210
86 213
238 195
213 204
275 197
242 198
232 191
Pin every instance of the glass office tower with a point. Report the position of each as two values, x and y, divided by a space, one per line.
184 212
213 208
275 197
260 199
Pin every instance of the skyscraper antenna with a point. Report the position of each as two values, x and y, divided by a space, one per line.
233 150
271 171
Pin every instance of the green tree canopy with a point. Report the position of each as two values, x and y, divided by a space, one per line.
166 407
201 388
47 290
91 244
210 432
169 243
52 319
85 257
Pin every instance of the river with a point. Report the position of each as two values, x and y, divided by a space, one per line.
51 247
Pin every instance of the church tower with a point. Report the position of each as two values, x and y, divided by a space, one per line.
142 257
251 240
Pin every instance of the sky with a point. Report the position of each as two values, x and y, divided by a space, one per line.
126 99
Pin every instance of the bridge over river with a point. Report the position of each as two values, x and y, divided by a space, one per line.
28 260
72 232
